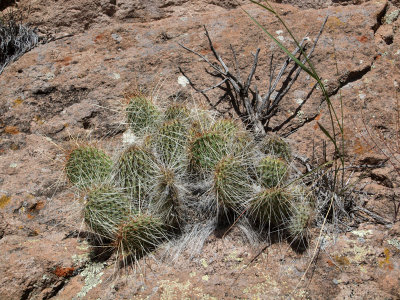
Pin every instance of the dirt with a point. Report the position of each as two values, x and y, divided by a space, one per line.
71 87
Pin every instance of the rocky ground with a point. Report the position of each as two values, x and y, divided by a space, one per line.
72 87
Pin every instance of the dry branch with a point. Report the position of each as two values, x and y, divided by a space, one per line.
255 110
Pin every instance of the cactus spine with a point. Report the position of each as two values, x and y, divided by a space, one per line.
87 165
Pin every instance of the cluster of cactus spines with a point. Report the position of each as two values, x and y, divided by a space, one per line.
139 234
231 183
176 111
226 127
272 171
302 212
104 209
276 146
141 114
201 122
171 142
166 197
187 174
206 150
134 170
271 207
87 165
299 222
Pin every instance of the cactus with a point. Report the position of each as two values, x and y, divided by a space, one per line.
301 215
232 185
271 207
138 235
156 195
165 199
226 127
272 171
276 146
202 122
141 114
104 209
87 165
133 172
299 222
176 112
171 142
206 150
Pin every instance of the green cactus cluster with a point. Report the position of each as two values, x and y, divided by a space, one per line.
185 167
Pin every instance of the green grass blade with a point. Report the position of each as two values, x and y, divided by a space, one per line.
298 62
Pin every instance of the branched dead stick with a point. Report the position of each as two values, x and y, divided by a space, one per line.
203 57
253 70
215 52
271 89
373 215
236 63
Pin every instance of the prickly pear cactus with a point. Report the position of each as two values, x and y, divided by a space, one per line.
171 142
276 146
232 184
139 234
272 171
271 207
134 170
87 165
142 115
104 209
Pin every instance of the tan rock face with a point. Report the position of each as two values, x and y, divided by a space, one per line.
73 86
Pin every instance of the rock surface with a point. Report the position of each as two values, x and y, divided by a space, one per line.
73 87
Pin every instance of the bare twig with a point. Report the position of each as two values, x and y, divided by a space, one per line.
373 215
255 110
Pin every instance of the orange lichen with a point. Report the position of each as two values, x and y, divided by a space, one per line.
37 206
362 39
100 37
18 101
38 120
360 147
334 23
4 200
14 146
386 263
65 61
11 130
330 263
64 272
342 260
